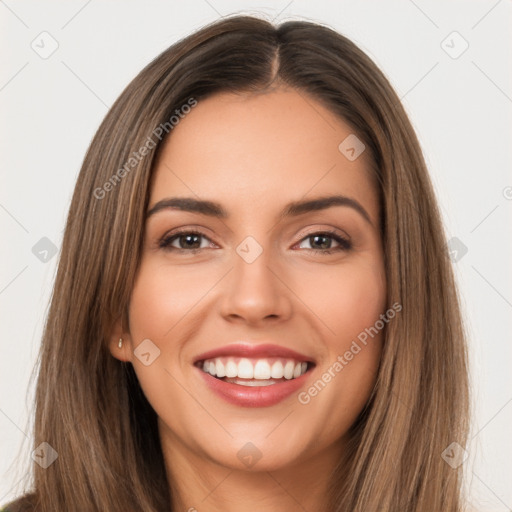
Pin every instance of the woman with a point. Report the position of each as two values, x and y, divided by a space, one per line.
253 307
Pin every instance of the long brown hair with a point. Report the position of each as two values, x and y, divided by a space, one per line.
90 407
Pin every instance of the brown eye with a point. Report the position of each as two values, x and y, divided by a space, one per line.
320 241
190 241
185 241
323 242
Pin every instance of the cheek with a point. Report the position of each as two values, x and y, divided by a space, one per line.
161 298
347 299
351 303
160 301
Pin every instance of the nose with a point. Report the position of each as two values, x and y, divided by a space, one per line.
256 293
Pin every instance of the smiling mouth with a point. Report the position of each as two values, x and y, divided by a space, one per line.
254 372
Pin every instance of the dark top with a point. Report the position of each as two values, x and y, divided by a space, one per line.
23 504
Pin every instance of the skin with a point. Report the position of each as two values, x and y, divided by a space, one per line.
254 154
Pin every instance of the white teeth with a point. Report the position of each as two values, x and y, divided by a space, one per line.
252 383
245 369
258 370
288 370
277 371
219 368
261 370
231 369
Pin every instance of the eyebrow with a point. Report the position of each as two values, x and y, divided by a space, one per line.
292 209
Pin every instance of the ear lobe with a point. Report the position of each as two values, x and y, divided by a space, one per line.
120 343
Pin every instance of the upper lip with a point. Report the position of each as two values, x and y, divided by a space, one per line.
251 350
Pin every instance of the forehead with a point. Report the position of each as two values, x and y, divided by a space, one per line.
265 150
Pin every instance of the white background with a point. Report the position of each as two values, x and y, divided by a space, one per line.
461 108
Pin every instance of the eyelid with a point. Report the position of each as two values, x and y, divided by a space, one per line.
310 231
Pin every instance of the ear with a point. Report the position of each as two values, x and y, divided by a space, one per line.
119 333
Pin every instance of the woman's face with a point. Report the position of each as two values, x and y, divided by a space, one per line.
263 279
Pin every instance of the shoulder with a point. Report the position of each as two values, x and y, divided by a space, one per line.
25 503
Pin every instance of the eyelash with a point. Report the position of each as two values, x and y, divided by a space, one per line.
344 244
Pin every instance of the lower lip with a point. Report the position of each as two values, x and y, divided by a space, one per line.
255 396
